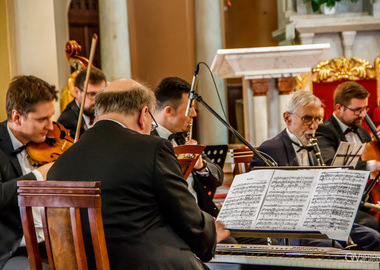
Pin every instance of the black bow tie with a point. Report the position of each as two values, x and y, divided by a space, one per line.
179 137
303 147
19 150
350 129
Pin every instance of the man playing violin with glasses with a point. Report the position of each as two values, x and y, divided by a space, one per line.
345 124
69 117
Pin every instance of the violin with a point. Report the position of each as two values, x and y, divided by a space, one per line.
372 152
57 141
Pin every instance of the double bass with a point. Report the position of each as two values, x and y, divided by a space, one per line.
372 152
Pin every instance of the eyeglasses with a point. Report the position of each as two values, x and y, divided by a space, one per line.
154 123
88 94
358 111
308 120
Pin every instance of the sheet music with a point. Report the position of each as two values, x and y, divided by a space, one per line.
295 200
348 154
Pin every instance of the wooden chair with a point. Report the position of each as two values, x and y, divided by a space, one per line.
187 156
240 160
60 203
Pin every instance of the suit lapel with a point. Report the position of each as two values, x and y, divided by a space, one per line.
291 154
6 146
339 131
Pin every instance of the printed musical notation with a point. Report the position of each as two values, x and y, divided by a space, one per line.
295 200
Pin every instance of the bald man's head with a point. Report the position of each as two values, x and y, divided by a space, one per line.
124 96
122 85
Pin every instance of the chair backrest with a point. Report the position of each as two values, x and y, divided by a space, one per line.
240 159
60 203
187 156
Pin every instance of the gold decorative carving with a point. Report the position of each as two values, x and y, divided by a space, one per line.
303 82
353 68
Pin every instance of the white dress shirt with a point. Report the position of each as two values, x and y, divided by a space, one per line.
303 155
26 168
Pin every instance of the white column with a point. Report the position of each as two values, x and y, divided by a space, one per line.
348 39
306 38
248 111
38 32
114 38
208 41
260 110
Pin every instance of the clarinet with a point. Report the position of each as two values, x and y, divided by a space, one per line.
316 150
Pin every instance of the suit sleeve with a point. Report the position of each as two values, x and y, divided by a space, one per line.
215 176
8 190
179 208
328 142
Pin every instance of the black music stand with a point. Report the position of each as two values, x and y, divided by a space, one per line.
217 154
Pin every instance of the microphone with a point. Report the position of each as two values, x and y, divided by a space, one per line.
191 94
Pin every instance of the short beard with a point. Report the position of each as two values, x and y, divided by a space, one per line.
90 112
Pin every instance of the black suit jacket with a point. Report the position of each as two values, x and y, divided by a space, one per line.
280 148
69 118
329 136
150 218
10 221
205 184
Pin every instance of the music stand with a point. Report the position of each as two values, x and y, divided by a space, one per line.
348 154
187 156
216 153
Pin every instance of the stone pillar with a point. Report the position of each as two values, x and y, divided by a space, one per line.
38 32
208 41
376 8
114 38
260 121
285 86
306 38
348 39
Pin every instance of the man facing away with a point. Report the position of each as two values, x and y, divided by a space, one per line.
150 218
350 108
292 148
173 124
30 108
70 115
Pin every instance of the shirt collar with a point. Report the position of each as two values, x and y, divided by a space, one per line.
163 132
293 137
342 125
117 122
15 142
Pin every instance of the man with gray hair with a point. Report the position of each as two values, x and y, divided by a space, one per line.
292 148
150 218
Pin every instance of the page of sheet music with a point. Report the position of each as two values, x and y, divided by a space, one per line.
286 200
335 201
244 198
295 200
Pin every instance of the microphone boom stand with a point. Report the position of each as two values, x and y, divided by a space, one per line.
194 95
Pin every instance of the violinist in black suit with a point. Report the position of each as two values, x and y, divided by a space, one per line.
172 99
69 116
151 221
30 108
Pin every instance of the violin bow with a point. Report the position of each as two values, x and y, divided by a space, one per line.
91 59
